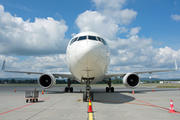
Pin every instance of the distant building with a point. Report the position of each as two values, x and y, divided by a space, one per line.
143 82
172 82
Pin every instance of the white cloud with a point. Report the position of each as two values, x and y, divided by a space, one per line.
19 37
46 36
113 4
138 54
175 17
175 2
130 51
134 42
48 63
73 34
134 31
95 21
123 30
113 9
108 19
124 16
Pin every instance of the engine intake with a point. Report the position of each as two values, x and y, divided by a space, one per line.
46 81
131 80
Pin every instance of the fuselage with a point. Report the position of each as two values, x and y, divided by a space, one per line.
88 56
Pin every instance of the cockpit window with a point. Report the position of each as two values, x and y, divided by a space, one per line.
92 38
101 40
82 38
73 40
89 37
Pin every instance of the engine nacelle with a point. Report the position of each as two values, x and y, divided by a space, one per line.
131 80
46 81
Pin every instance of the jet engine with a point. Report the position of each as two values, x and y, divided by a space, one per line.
46 81
131 80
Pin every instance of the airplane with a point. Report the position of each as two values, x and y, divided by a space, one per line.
88 58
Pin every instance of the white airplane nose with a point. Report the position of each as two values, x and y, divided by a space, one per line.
87 52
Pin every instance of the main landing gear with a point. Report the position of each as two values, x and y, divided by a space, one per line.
109 84
69 88
88 94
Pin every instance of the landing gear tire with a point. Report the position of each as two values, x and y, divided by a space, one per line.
71 89
84 97
66 89
112 89
91 96
107 89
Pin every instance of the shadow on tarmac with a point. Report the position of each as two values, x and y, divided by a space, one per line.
112 98
117 97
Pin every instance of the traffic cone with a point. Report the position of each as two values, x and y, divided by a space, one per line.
133 92
90 107
15 90
172 108
42 92
153 90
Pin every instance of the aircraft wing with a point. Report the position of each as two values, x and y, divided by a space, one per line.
56 74
63 75
111 75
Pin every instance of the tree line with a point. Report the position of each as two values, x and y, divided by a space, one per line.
64 81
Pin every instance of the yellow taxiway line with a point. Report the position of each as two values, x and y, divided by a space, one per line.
90 116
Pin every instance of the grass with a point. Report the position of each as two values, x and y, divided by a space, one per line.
19 85
168 86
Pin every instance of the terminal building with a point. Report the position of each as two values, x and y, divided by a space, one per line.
172 82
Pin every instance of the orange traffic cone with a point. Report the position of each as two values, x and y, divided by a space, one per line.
90 107
133 92
172 108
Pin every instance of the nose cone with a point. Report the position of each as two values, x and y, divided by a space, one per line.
87 52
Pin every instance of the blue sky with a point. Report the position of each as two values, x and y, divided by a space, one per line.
153 15
152 24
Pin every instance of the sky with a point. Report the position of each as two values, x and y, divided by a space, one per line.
142 34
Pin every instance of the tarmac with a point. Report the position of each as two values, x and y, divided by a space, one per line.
120 105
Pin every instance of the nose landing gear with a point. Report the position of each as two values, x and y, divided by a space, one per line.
88 94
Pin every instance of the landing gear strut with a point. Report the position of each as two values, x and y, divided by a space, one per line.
69 88
109 84
87 94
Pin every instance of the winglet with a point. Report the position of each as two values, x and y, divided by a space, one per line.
3 66
176 66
